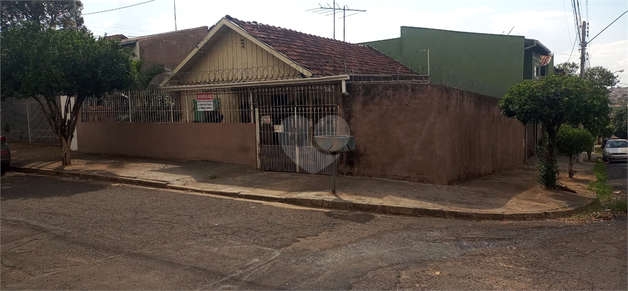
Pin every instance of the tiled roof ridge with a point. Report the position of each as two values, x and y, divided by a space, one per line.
163 34
233 19
321 55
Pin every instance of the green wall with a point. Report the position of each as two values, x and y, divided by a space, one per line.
494 60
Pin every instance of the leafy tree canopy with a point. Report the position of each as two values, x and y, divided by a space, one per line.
47 63
598 74
602 76
619 122
554 100
570 68
49 14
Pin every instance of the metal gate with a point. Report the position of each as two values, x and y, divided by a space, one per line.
286 124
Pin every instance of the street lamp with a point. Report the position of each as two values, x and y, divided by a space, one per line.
619 71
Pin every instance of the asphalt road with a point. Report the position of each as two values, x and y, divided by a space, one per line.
617 176
71 234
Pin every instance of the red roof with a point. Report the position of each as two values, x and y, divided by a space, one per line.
545 59
116 36
323 56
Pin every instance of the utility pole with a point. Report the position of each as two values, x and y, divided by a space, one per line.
583 58
175 14
583 49
334 16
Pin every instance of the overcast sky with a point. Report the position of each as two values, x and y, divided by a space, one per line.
549 21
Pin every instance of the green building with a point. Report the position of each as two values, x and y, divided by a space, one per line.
477 62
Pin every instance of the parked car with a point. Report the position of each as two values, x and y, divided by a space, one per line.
6 154
615 150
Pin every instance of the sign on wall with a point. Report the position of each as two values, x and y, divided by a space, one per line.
205 101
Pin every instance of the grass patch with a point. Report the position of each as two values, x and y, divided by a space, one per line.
600 185
598 151
607 205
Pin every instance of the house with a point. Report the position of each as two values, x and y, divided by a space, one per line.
256 94
166 49
465 59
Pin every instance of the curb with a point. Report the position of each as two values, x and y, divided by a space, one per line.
316 203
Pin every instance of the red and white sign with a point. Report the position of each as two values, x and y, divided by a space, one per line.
205 101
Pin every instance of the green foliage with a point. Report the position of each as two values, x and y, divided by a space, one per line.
554 100
601 76
571 141
619 123
49 14
47 63
570 68
607 131
549 173
143 75
601 187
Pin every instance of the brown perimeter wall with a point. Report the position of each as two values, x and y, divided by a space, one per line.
222 142
427 133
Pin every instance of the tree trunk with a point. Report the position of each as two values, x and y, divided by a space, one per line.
589 155
571 158
65 150
551 144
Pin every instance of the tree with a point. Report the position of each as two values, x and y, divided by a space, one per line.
46 63
571 141
602 76
144 75
553 101
598 74
49 14
620 123
570 68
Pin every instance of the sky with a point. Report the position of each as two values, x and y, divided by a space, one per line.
549 21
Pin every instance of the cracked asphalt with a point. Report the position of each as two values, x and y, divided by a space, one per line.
72 234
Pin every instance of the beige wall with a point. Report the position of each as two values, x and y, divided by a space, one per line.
222 142
427 133
234 58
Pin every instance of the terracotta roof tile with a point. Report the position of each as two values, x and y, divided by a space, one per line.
545 59
323 56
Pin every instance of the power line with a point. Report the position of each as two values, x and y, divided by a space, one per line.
90 13
572 48
609 25
567 21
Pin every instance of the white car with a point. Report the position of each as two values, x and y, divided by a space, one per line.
615 150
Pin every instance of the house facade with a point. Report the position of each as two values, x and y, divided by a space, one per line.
495 60
256 94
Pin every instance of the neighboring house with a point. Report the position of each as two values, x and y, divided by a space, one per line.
166 49
256 94
463 59
538 60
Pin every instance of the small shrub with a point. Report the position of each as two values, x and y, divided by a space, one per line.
618 206
571 141
549 173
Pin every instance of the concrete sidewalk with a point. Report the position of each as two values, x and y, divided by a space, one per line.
512 194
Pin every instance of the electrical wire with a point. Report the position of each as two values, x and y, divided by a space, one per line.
108 10
572 49
567 21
